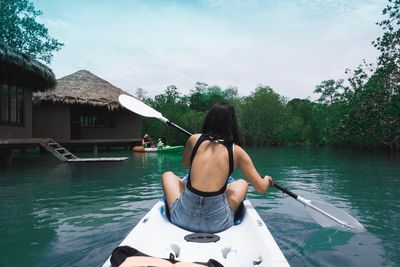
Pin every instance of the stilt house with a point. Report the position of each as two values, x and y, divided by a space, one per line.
19 77
83 107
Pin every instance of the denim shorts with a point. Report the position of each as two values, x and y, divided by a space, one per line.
201 214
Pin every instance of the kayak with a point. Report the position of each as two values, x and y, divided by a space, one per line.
165 149
248 243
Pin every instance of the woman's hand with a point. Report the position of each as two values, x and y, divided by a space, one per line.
182 183
270 182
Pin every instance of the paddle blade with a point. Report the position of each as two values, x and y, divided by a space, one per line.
328 215
138 107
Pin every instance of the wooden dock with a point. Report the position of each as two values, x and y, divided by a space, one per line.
63 154
59 150
31 142
98 159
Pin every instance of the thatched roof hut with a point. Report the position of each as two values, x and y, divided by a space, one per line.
35 74
82 87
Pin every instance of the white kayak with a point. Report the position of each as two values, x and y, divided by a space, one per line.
246 244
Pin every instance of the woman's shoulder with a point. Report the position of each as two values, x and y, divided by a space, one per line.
196 135
237 147
193 139
239 152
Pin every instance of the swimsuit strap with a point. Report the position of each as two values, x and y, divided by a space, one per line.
228 146
230 153
201 139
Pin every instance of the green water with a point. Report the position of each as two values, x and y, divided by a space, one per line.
59 214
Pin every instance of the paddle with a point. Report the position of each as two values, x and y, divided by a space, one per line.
137 106
326 214
323 213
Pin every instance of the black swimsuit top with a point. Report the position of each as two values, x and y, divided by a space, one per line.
229 146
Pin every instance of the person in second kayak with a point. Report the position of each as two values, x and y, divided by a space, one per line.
146 141
206 202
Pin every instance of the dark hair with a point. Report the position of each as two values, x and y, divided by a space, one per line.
221 122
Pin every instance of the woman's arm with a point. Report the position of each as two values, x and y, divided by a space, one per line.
244 162
187 152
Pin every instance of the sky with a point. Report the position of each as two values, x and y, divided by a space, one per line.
289 45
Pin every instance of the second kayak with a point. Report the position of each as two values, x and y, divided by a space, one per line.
165 149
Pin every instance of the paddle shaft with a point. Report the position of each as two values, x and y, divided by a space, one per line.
285 190
170 123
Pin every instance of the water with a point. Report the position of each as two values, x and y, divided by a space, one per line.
59 214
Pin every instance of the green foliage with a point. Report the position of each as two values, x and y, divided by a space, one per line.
261 116
329 91
185 111
389 43
20 30
203 97
366 111
371 114
299 126
173 106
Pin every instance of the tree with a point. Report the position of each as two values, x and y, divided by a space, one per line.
389 43
20 30
230 94
299 117
173 106
261 117
388 73
198 97
203 97
329 91
369 113
141 94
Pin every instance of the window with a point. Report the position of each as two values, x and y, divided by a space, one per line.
11 104
97 118
4 103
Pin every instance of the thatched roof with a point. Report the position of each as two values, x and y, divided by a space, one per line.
26 70
82 87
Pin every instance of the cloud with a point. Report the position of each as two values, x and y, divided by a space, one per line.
289 45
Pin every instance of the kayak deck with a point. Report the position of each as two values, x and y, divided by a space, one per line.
248 244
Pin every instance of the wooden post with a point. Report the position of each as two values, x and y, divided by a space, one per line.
6 156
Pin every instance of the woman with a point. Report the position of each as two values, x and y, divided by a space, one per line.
206 202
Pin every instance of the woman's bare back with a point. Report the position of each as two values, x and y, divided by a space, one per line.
210 167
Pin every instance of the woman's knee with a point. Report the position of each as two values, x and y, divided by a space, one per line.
167 175
243 182
171 181
237 190
241 185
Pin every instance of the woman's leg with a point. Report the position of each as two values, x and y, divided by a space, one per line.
235 193
173 186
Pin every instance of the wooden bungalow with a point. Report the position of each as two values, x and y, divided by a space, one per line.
83 109
19 77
